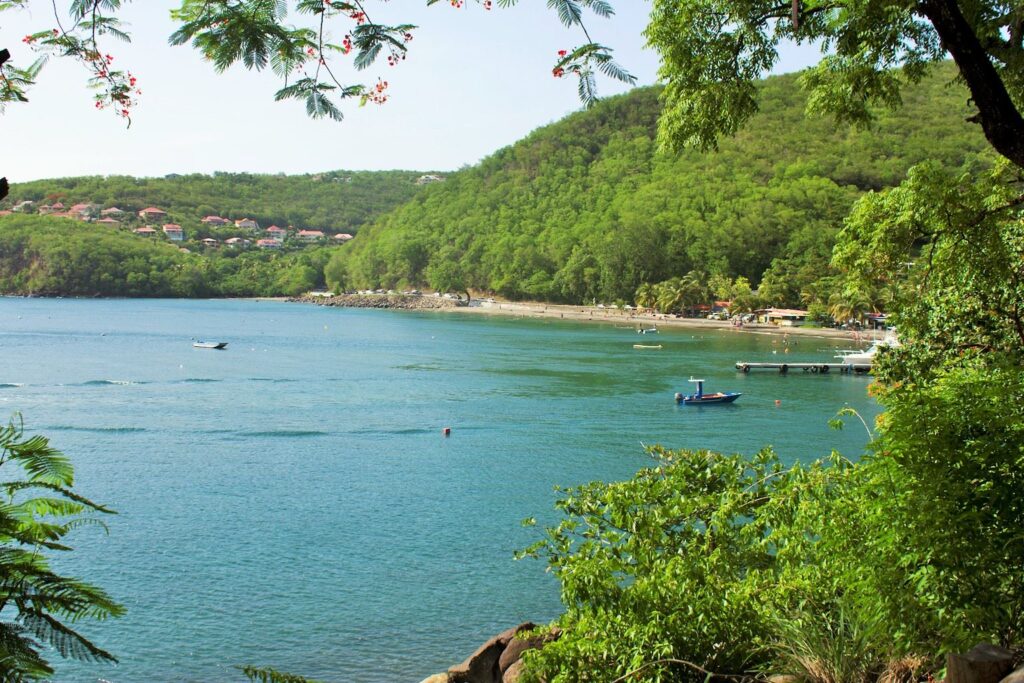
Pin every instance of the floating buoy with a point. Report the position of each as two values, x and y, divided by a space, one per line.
778 403
447 431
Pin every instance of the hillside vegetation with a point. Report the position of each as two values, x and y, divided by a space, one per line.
45 255
587 208
339 201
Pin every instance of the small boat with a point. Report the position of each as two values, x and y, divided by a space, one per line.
700 398
646 346
647 330
209 345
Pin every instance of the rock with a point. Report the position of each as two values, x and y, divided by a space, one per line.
517 646
783 678
436 678
984 663
482 665
1015 677
512 673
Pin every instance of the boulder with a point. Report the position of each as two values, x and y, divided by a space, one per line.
517 646
1015 677
984 663
512 673
482 665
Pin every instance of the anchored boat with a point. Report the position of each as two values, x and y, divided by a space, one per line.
700 398
209 345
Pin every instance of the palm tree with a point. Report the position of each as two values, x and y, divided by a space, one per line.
670 294
849 303
37 604
646 295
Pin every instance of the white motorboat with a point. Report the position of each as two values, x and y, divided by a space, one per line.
861 361
209 345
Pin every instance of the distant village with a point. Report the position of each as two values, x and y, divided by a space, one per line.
153 222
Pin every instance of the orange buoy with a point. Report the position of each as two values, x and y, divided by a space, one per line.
447 431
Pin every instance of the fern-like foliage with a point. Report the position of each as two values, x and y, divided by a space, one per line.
37 510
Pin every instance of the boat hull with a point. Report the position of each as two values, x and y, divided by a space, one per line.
210 345
709 399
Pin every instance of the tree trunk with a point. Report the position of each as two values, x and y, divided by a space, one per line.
1002 123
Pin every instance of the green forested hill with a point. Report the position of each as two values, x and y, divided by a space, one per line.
587 207
339 201
46 255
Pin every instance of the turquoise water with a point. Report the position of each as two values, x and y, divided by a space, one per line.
291 501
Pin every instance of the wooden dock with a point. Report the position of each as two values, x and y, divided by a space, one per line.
816 368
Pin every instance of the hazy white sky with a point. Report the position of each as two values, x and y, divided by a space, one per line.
474 81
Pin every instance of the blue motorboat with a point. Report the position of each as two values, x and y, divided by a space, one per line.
699 398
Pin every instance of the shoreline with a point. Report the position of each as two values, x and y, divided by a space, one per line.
585 314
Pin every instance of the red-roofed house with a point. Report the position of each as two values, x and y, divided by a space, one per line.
237 242
247 224
112 211
276 233
174 232
309 235
145 232
210 242
268 244
343 237
84 211
108 221
215 221
152 213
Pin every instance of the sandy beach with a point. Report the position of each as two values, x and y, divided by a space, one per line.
637 319
595 314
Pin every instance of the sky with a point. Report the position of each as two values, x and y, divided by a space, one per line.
474 81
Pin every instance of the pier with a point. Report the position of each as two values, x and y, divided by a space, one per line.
816 368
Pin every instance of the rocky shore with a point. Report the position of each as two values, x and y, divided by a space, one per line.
499 660
402 302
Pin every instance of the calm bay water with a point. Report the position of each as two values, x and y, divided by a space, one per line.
291 502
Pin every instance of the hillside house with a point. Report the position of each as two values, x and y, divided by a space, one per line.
210 242
429 178
277 234
23 207
309 235
268 244
145 231
152 214
237 242
112 212
84 211
112 222
50 209
174 232
342 237
215 221
247 224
